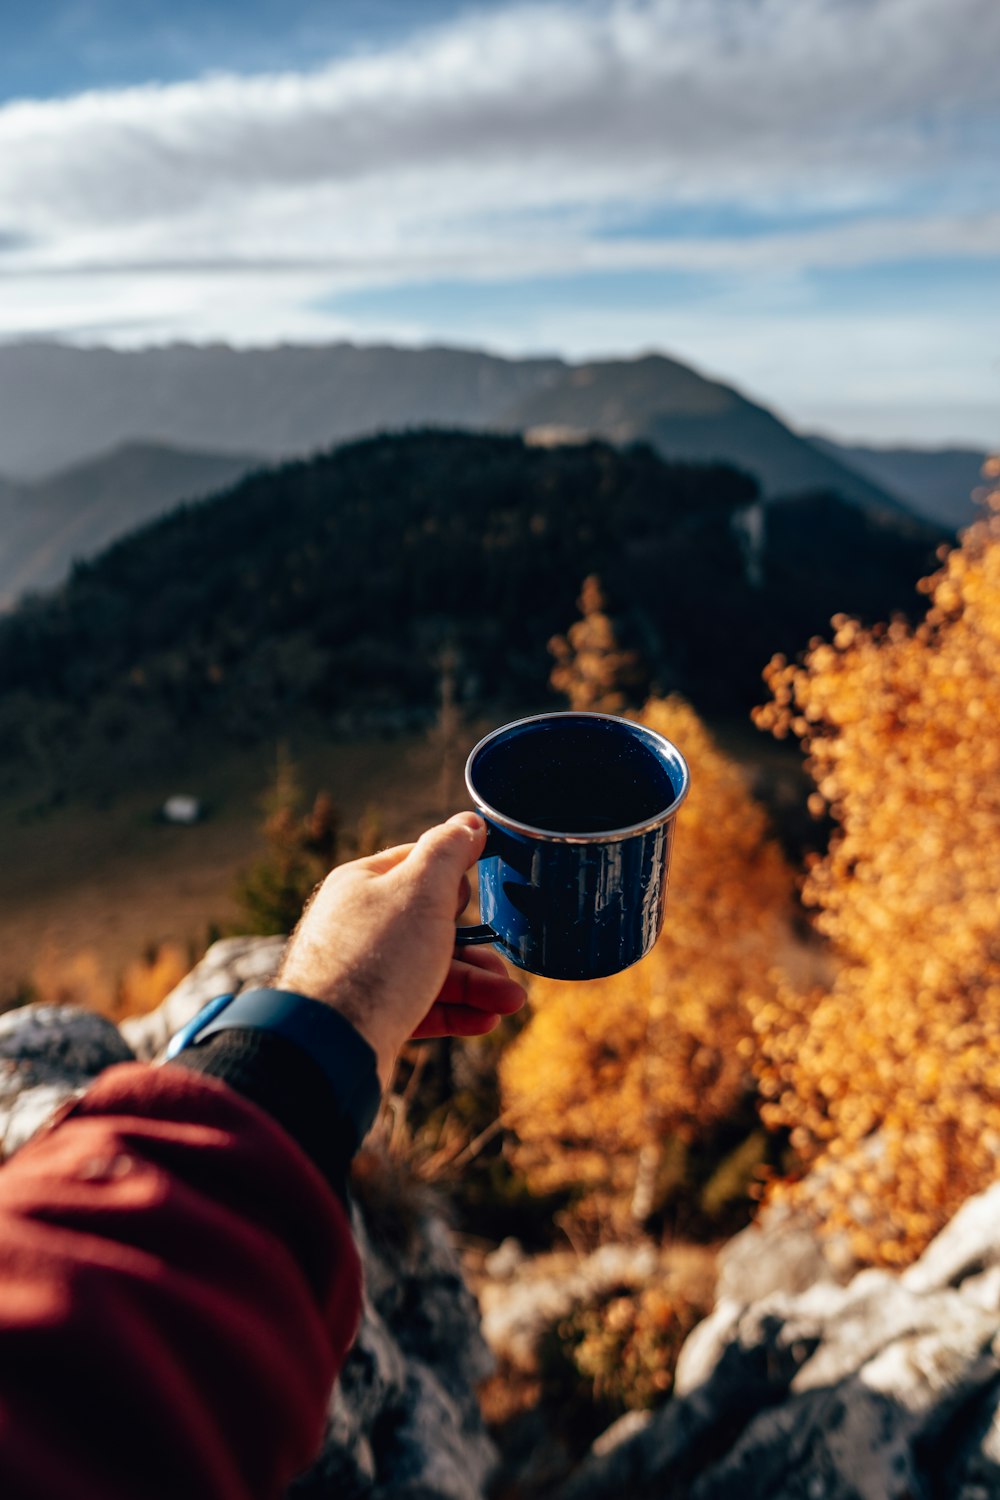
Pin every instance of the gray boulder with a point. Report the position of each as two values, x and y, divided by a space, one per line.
782 1252
404 1420
887 1388
49 1054
787 1249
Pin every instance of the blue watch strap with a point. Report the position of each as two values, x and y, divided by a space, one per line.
335 1046
189 1033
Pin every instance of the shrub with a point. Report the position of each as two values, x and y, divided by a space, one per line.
891 1078
299 850
620 1350
606 1073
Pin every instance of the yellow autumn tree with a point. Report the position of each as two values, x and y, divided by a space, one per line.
891 1080
593 670
605 1073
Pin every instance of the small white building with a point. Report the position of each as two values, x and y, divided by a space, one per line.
182 808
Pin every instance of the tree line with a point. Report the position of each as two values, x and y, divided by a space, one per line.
331 587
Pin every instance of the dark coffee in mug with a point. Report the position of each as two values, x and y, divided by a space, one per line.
574 773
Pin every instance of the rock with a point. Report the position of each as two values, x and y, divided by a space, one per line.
886 1388
788 1249
782 1251
884 1378
48 1054
411 1379
228 965
505 1261
518 1314
430 1451
626 1428
966 1248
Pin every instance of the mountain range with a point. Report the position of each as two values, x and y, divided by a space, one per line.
130 434
939 483
49 523
688 419
59 405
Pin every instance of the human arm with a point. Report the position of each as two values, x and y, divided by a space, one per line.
178 1288
178 1284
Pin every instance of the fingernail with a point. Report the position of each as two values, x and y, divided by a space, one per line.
470 820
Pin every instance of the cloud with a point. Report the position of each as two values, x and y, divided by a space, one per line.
530 142
541 111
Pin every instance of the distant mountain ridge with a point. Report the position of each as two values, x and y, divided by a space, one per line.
939 483
173 423
47 525
689 419
59 405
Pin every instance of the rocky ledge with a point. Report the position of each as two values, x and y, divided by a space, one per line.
886 1388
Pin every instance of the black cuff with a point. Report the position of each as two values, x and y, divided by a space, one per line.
282 1079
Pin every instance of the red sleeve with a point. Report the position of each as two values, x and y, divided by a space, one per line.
178 1290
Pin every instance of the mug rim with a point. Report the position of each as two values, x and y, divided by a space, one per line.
612 835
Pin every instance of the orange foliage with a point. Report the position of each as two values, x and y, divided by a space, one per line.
625 1345
81 979
74 979
893 1077
608 1068
149 980
592 669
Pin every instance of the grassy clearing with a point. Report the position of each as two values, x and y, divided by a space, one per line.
106 877
102 876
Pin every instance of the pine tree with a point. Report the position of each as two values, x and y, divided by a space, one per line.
299 850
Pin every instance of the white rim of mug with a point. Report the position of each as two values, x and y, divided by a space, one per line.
613 835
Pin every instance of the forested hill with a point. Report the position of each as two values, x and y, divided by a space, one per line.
331 587
132 432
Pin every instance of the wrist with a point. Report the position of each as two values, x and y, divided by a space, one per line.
327 1039
345 996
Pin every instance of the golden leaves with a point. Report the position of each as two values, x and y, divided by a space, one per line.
592 669
605 1068
904 742
625 1345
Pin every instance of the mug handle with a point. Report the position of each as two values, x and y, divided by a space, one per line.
468 937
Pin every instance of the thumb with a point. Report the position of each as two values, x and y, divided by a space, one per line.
442 855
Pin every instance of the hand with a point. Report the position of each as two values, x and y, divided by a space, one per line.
377 942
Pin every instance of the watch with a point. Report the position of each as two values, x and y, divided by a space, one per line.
341 1052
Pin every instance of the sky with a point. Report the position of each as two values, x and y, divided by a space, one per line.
799 197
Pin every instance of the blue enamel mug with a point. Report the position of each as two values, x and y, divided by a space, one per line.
580 811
